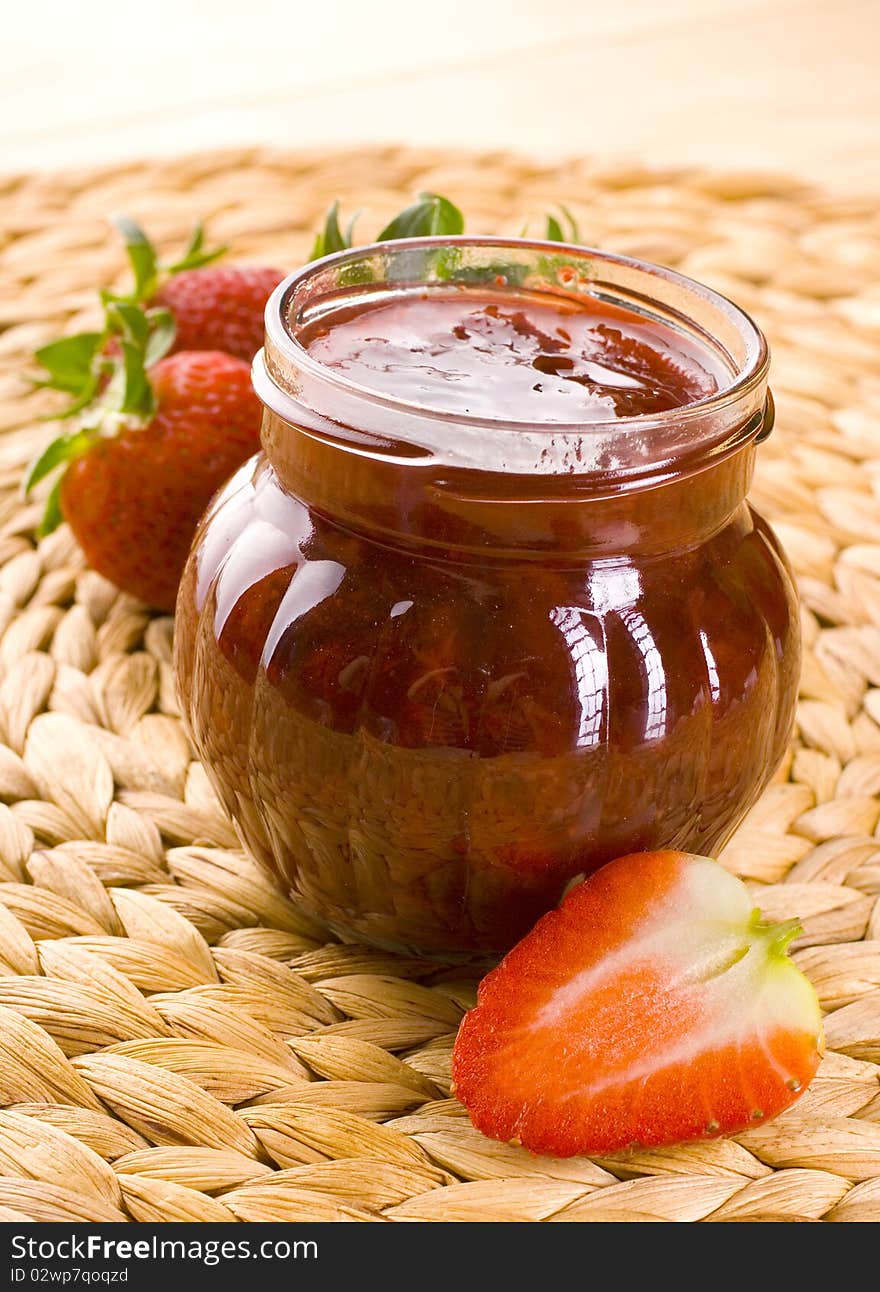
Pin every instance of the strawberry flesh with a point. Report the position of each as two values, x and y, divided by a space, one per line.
652 1007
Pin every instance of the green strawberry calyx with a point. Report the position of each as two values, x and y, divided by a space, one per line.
105 373
74 364
429 216
148 271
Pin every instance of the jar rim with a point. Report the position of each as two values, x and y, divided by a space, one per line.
318 400
748 373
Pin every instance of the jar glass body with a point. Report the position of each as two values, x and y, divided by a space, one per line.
432 691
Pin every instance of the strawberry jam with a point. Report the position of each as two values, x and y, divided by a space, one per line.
490 608
481 355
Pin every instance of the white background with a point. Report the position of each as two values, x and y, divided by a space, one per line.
783 84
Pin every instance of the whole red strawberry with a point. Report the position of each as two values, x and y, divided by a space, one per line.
153 449
219 308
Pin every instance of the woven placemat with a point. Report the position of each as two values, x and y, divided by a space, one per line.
176 1041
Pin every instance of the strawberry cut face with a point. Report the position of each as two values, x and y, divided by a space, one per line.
652 1007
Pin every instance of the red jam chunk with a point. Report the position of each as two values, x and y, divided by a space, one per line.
429 704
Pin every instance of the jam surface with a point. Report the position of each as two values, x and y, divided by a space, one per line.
427 734
526 360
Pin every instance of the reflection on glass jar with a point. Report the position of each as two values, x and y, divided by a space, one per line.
438 663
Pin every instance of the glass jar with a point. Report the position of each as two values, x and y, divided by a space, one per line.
437 666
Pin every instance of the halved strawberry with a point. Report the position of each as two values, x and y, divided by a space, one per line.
652 1007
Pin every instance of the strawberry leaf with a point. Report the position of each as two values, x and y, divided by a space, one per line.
52 516
137 395
129 392
429 216
141 255
151 332
69 361
331 238
194 257
64 449
128 321
78 404
555 231
162 330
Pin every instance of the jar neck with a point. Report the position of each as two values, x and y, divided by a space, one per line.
457 513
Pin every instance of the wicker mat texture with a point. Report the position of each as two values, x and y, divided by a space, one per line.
176 1041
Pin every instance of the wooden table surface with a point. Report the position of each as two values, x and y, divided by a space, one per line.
779 84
